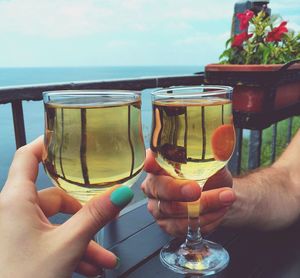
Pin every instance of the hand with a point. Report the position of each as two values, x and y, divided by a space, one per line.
31 245
174 194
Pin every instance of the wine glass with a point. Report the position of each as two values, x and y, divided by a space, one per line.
192 138
93 140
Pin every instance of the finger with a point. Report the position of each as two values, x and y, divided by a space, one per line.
24 167
222 178
99 256
208 218
95 214
151 166
170 189
174 227
211 227
88 269
178 226
167 209
54 200
216 199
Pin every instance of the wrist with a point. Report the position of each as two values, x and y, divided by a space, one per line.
241 211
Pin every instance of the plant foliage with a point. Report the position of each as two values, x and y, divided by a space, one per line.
263 40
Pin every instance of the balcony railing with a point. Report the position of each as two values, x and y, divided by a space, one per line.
17 95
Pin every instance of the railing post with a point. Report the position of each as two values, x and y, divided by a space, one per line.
289 132
254 149
19 126
235 161
274 141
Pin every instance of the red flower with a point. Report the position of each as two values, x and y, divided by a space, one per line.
240 38
244 19
276 34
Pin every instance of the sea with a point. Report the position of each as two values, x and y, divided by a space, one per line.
33 110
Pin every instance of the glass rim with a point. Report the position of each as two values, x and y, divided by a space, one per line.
91 92
183 91
127 95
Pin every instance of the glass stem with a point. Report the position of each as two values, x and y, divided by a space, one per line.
194 239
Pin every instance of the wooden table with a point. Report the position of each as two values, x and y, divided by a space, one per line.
137 239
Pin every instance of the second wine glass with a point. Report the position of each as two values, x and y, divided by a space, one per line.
192 138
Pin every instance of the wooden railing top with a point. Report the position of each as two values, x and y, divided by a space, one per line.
34 92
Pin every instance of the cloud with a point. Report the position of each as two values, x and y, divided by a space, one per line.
200 10
77 18
205 39
65 18
52 18
120 31
285 5
120 44
294 26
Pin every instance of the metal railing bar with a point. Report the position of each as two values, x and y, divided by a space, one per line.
274 141
254 149
289 131
19 126
236 159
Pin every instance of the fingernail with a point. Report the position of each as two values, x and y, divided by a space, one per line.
190 192
121 196
226 197
118 263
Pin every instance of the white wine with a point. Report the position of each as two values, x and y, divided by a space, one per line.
192 138
91 147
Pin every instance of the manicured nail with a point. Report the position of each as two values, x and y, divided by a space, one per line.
118 263
226 197
121 196
190 192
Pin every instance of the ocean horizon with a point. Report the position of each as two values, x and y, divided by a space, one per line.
34 110
16 76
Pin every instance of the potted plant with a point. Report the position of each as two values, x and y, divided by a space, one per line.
261 62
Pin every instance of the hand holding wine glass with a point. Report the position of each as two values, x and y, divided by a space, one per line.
93 141
171 215
32 244
193 138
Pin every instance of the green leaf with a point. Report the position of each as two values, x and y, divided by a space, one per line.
228 42
266 54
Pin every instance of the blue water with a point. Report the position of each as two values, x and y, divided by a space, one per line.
33 111
21 76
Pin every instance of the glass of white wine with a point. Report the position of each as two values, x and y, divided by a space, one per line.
192 138
93 140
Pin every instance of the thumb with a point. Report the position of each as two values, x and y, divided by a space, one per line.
151 166
96 213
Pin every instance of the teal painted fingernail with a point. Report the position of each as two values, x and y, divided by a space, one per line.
121 196
118 263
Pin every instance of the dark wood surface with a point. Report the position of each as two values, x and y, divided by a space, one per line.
137 240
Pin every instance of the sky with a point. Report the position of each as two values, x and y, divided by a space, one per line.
71 33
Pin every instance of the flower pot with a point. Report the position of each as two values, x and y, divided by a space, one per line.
263 94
